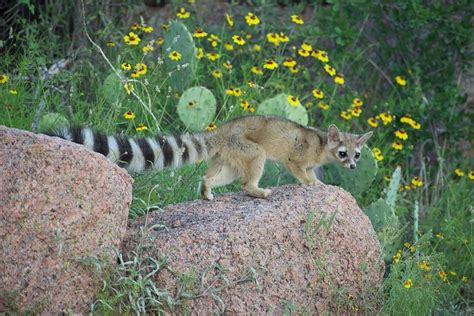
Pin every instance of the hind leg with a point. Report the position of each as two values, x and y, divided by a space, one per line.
218 174
251 171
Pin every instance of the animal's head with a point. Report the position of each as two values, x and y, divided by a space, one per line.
345 148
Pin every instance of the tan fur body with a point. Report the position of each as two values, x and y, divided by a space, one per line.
240 148
237 150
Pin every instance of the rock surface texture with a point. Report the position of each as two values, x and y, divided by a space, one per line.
60 203
312 248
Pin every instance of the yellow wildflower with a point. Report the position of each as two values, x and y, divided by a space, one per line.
230 20
377 153
213 56
270 64
289 62
199 32
373 122
401 80
159 40
323 105
402 134
415 125
135 26
318 94
303 52
408 283
183 14
148 48
397 256
306 46
440 236
416 182
397 145
252 19
230 91
386 118
330 70
128 87
470 175
273 38
110 44
217 73
211 127
339 79
141 127
297 19
126 66
227 65
356 112
345 115
256 70
283 38
237 92
294 101
214 39
147 28
244 104
139 69
228 46
424 265
174 55
357 102
443 276
406 119
200 53
129 115
320 55
464 279
257 48
294 69
13 91
238 40
132 39
453 273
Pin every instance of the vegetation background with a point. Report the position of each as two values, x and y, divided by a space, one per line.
400 68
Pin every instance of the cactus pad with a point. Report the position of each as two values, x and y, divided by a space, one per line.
177 38
280 106
197 108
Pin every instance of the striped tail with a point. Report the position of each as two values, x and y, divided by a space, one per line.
138 154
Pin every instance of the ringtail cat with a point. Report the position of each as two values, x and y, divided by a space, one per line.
237 149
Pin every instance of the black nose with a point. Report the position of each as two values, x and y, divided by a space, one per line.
353 166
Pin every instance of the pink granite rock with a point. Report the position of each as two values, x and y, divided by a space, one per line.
60 204
312 248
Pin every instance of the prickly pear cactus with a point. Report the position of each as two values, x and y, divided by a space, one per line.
280 106
379 212
393 187
112 90
197 108
384 220
177 38
355 181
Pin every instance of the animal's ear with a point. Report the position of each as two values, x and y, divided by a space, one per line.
362 139
333 134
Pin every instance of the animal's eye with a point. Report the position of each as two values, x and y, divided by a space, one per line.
343 154
357 155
